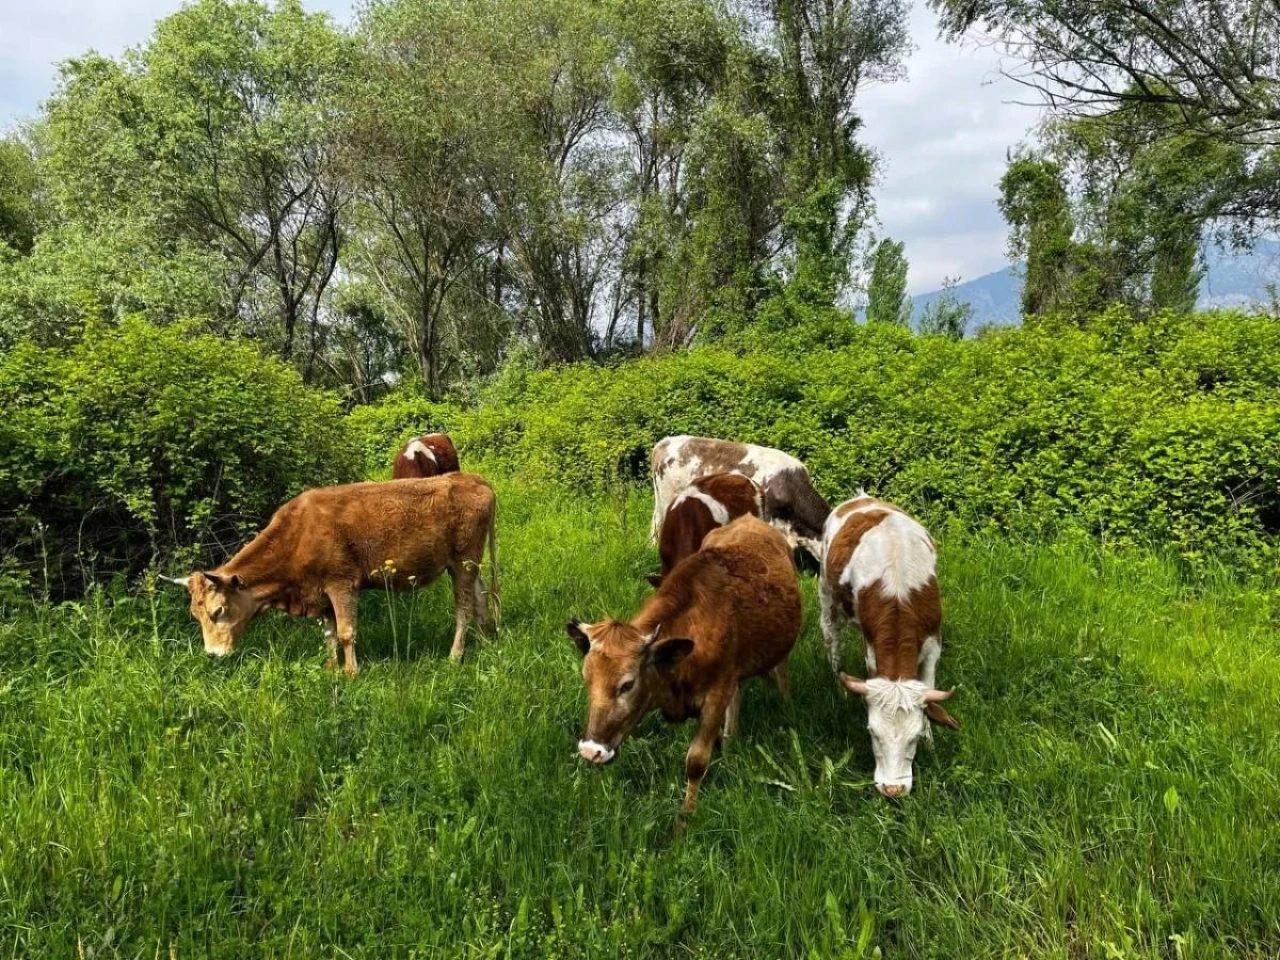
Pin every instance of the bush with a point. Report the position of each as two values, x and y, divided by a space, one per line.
1160 429
140 441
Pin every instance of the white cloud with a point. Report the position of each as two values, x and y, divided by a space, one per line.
942 136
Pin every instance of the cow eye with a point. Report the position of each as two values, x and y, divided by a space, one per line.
625 687
217 614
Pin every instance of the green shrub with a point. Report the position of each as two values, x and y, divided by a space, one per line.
141 440
1160 429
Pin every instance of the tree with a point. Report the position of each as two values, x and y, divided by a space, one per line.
887 290
217 132
1215 64
947 316
1034 201
431 127
1207 72
827 52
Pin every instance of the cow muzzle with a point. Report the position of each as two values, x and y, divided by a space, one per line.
896 790
596 753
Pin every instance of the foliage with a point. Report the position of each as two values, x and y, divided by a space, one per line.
887 300
948 315
141 440
1112 784
1159 429
18 187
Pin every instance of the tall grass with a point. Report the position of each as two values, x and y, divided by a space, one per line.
1113 791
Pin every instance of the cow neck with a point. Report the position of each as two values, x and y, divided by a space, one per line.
258 564
666 607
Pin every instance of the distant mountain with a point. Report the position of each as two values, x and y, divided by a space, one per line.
1231 280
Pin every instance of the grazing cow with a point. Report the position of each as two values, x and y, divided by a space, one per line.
790 502
728 612
707 503
429 455
879 569
326 545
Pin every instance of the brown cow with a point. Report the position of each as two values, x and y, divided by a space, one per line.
728 612
879 569
790 501
429 455
707 503
326 545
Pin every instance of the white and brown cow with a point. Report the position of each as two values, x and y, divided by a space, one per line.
429 455
879 568
326 545
704 505
728 612
790 501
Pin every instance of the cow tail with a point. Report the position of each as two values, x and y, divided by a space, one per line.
493 596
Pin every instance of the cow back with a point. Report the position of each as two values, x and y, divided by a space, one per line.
430 455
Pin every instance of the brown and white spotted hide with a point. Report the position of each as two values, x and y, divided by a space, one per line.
429 455
707 503
326 545
879 569
790 501
728 612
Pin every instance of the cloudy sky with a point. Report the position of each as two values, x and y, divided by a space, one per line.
941 134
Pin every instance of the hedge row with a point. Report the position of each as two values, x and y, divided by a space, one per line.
1165 429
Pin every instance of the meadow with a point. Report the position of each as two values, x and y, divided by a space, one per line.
1112 792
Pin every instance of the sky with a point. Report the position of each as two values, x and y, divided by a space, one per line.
941 134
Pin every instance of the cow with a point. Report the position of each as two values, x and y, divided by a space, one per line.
326 545
707 503
429 455
790 501
726 613
879 569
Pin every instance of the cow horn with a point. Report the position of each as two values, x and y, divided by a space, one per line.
653 637
937 696
854 685
180 581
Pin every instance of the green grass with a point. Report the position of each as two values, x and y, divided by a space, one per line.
1113 791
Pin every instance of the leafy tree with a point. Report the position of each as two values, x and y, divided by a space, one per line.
948 316
1209 70
828 51
887 290
217 132
1216 63
1033 199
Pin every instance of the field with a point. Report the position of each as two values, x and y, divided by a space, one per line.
1113 791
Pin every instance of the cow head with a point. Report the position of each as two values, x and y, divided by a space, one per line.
623 669
223 606
896 717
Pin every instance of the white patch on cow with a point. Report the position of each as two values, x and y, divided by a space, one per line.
896 554
719 512
895 717
595 752
418 447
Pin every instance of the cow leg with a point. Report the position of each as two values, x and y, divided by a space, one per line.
464 577
480 604
781 676
930 651
731 714
343 600
831 622
698 758
331 641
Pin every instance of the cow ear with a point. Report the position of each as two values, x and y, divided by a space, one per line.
939 716
578 636
667 654
224 582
